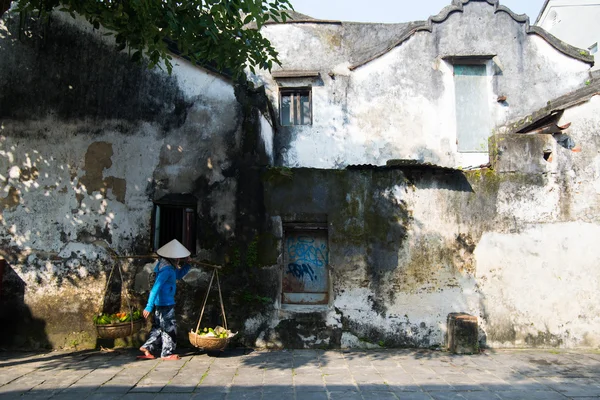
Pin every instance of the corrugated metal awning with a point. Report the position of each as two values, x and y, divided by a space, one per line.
402 164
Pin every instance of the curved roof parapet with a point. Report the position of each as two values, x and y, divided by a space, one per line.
563 47
458 6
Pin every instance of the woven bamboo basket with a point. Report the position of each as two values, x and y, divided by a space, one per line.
120 330
208 343
211 343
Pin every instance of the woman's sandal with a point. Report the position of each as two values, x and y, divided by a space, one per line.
146 357
171 357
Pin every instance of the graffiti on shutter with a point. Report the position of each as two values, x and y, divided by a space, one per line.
305 276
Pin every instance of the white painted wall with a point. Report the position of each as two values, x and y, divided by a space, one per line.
540 281
576 22
401 105
54 234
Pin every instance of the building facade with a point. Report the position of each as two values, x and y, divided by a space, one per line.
382 178
573 21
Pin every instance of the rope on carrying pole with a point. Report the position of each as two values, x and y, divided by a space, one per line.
126 295
205 298
127 299
221 300
215 273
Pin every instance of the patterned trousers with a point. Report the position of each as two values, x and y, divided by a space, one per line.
163 334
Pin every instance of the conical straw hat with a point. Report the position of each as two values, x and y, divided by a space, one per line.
173 249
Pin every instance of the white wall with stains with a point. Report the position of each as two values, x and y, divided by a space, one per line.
515 246
372 104
84 152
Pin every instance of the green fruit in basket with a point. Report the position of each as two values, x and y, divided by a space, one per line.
101 319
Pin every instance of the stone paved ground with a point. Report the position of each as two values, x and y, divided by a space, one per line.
302 374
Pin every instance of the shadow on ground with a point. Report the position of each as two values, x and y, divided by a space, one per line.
302 374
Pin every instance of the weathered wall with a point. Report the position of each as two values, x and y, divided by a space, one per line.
401 105
86 146
540 278
393 277
88 140
514 246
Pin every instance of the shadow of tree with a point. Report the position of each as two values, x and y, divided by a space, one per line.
237 373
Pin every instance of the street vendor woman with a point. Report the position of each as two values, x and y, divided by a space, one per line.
163 335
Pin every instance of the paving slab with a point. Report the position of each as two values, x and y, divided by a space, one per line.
303 374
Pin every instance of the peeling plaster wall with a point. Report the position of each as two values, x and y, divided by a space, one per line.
399 262
86 147
540 278
88 140
402 104
515 246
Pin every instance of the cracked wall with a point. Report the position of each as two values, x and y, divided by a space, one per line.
513 246
81 165
401 105
88 140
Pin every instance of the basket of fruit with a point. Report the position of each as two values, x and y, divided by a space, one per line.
211 339
119 325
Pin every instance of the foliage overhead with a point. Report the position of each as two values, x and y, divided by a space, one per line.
223 34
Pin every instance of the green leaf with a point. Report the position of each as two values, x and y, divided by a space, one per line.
207 31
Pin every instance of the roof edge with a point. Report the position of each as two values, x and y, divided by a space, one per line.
306 21
563 47
174 49
539 17
556 105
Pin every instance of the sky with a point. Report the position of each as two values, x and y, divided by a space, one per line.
395 10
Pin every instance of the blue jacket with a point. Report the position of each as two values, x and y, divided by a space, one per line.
163 291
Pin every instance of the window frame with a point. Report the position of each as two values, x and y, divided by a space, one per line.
298 91
189 216
486 61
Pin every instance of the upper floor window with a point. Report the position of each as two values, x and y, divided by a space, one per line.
295 106
472 101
